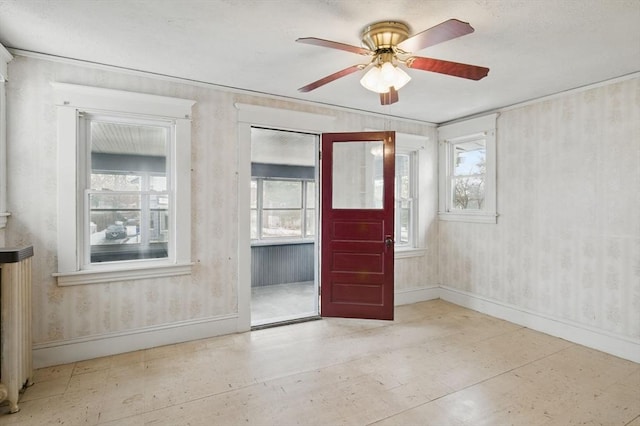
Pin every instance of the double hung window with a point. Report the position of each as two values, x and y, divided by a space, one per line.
129 193
468 170
124 185
405 199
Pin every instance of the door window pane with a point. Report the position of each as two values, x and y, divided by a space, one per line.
357 175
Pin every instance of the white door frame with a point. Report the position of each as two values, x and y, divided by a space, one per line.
253 115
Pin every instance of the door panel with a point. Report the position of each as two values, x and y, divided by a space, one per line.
357 224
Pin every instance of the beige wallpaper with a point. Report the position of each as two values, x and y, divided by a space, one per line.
62 313
567 242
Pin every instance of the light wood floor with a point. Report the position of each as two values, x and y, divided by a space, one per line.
437 364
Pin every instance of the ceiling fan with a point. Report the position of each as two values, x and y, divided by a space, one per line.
389 45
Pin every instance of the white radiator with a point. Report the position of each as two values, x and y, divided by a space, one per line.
16 366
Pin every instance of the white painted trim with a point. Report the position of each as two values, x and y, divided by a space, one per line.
78 349
467 128
3 219
284 119
415 295
611 343
98 98
409 252
208 85
5 58
135 273
477 128
68 218
72 99
244 231
488 217
72 350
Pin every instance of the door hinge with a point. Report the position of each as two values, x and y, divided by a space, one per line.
320 155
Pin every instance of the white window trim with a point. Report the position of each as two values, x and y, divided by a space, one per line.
5 58
270 241
73 99
484 127
407 143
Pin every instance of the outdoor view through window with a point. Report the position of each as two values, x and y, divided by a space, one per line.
128 198
468 177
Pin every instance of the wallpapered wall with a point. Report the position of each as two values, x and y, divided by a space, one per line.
62 313
567 242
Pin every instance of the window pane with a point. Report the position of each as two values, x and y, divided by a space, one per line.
469 158
158 183
128 158
403 188
158 226
311 195
404 220
281 223
468 193
254 224
115 182
357 175
281 194
254 194
118 229
311 223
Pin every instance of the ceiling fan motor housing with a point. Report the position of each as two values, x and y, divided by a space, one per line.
384 35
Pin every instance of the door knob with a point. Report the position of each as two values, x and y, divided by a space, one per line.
388 241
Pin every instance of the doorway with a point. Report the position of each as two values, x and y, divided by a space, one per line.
284 226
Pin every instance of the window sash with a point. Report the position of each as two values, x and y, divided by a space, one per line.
144 252
452 177
406 238
307 229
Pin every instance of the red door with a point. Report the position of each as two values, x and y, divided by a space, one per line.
358 171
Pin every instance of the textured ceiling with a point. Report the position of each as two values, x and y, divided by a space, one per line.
533 47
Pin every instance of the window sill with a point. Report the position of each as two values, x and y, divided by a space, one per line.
111 275
403 253
280 242
470 217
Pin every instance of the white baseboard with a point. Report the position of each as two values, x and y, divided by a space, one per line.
415 295
72 350
610 343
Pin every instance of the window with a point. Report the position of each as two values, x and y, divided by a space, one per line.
124 185
467 180
405 199
282 209
128 192
415 182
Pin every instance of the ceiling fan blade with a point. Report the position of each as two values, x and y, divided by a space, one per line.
391 97
334 45
442 32
456 69
328 79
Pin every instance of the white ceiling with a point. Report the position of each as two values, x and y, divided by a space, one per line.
533 47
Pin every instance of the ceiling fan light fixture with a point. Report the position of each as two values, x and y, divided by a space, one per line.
380 77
